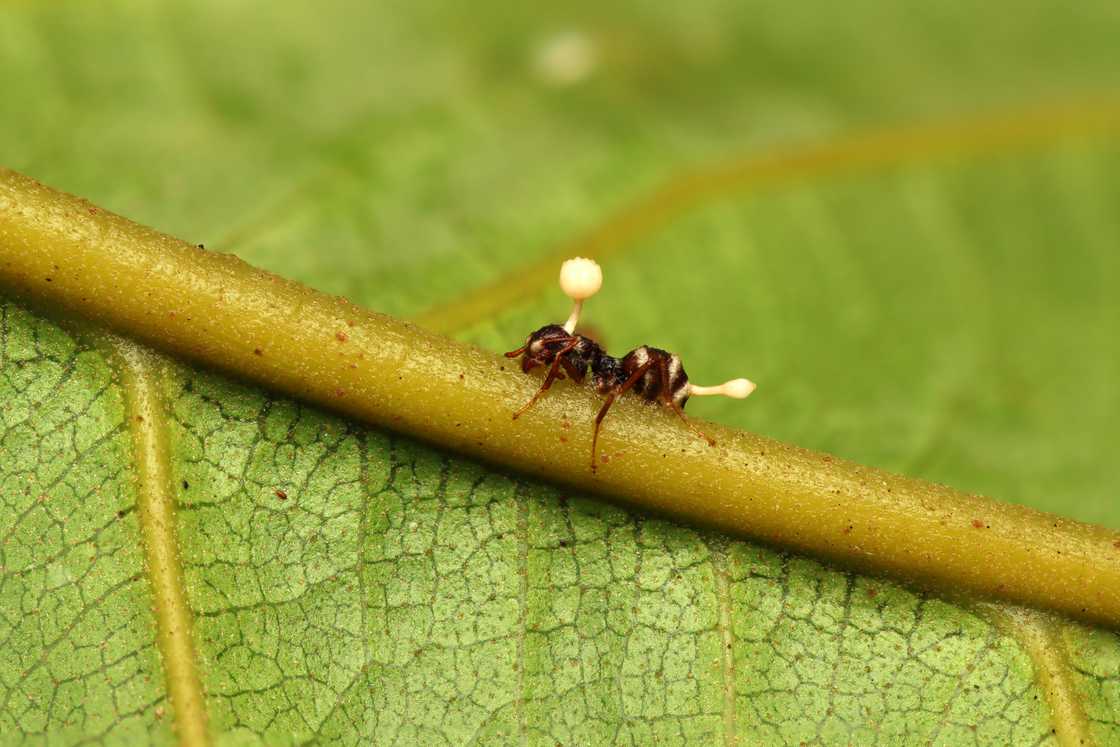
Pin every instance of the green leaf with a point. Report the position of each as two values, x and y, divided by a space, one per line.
950 317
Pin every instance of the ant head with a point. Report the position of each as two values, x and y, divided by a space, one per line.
549 335
580 279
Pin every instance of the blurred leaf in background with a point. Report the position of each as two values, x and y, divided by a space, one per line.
954 317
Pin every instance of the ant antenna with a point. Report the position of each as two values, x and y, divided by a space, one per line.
580 279
736 389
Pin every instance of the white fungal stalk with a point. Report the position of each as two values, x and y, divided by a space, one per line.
736 389
580 279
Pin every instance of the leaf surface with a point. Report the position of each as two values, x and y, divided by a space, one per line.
951 317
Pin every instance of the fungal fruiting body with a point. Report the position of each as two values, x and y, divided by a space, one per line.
655 375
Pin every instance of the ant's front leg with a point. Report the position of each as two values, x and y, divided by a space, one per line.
553 373
527 362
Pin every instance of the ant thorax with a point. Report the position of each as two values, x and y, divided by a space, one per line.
608 374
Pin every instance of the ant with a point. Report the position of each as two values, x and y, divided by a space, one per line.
655 375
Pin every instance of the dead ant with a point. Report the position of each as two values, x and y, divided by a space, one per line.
655 375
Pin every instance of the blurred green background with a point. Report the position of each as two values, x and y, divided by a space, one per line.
953 317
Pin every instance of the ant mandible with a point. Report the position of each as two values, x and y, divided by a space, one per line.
655 375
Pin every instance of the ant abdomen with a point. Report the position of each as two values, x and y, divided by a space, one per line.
663 378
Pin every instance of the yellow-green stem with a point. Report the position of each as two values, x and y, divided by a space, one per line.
62 252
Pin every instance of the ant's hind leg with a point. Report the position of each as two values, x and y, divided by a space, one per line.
680 411
667 398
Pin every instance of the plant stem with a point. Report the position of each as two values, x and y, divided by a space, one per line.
61 252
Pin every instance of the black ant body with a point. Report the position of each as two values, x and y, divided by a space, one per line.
655 375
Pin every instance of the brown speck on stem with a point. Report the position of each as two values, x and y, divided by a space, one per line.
976 523
258 351
341 336
281 495
563 439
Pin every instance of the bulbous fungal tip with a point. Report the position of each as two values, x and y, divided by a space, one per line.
580 278
739 388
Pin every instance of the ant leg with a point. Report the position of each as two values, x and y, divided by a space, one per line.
665 394
598 421
667 398
572 371
607 406
519 351
680 411
553 372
